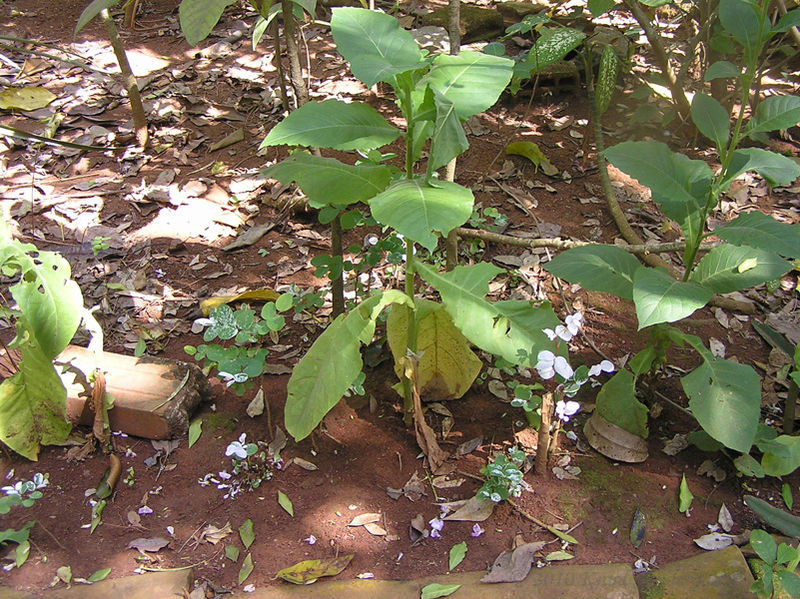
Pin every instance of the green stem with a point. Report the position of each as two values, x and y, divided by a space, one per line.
407 110
411 334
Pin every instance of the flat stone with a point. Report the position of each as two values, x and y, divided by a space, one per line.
612 581
719 574
152 585
153 397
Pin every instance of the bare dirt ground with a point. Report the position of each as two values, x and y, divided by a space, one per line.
168 213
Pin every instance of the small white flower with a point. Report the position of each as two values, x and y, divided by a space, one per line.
224 475
574 322
551 334
544 366
310 539
237 448
562 368
563 332
566 409
230 379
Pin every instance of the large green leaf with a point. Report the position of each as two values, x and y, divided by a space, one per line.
503 328
198 17
776 169
775 112
374 44
599 7
49 301
781 455
472 81
741 18
91 11
553 45
327 181
448 139
33 404
729 268
332 364
722 69
333 124
606 84
597 268
417 209
447 367
660 298
787 21
725 398
756 229
711 119
617 403
679 185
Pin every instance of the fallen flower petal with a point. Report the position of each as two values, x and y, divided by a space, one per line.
476 530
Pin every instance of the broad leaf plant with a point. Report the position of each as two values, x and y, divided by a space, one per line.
435 95
724 396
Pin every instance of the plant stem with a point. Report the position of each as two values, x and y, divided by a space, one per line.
454 35
295 70
543 446
128 80
337 283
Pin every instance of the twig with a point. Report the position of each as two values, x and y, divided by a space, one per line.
565 244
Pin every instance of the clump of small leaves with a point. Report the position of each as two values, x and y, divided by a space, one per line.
250 466
237 364
23 493
503 476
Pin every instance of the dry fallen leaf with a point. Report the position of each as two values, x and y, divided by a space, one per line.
374 529
214 535
470 510
363 519
513 566
308 571
152 545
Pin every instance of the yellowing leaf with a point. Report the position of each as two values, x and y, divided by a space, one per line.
532 152
448 366
310 570
263 294
246 569
25 98
436 590
558 556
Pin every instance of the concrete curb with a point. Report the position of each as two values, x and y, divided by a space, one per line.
720 574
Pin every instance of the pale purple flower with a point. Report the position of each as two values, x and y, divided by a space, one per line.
144 510
310 539
224 475
566 409
436 527
476 530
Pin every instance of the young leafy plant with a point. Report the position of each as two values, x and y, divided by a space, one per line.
724 396
240 363
48 310
435 95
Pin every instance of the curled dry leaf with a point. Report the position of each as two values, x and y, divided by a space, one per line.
277 444
304 464
725 519
675 445
214 535
256 405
